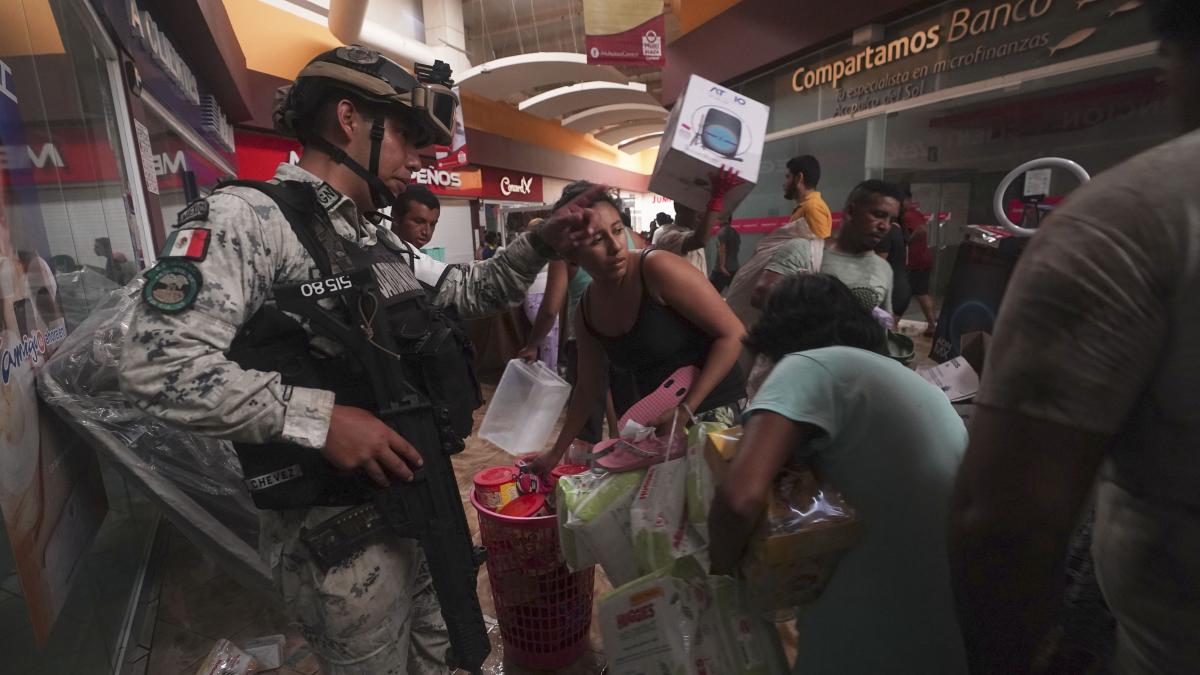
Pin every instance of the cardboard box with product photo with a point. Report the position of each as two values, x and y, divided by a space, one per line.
710 126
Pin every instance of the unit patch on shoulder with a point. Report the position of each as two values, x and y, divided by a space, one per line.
172 286
197 210
327 196
188 243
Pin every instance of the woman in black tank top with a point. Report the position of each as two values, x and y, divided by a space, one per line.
648 313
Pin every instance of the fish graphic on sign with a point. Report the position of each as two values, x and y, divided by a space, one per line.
1126 7
1072 40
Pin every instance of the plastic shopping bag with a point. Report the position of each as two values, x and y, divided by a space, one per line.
701 487
661 531
682 621
593 522
794 553
226 659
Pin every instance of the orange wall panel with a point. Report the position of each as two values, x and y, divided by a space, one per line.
695 13
27 28
276 42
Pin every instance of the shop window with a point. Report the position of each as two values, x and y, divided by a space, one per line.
74 535
184 171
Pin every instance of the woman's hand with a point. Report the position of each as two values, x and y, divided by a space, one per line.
528 354
543 463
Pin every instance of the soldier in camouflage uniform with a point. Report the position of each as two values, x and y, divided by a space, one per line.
377 613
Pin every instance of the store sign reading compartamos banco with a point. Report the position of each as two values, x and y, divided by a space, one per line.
949 45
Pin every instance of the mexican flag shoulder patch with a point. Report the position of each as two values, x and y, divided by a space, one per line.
186 243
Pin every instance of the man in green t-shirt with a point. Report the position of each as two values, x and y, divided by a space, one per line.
850 255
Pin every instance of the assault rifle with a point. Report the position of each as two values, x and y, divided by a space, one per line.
429 508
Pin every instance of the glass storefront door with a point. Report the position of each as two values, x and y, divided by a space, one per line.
955 153
71 231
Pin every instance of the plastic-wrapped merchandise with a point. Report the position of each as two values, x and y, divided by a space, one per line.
795 551
593 521
658 517
197 481
226 659
681 621
701 485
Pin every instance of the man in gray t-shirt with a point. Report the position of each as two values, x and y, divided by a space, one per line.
850 255
1094 373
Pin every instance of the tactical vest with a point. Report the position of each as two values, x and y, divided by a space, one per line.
436 359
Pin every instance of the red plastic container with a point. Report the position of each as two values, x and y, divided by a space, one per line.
526 506
496 486
565 470
543 608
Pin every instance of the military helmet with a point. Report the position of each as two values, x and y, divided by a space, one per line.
425 95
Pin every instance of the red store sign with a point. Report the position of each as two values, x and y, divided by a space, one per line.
259 154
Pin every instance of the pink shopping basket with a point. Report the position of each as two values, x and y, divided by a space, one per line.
543 608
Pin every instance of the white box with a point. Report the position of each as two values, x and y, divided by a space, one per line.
710 126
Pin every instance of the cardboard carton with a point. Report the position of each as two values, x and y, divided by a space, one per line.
710 126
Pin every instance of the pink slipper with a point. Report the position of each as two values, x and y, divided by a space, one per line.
616 454
633 455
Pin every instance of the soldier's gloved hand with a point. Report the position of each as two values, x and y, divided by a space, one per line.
359 441
572 224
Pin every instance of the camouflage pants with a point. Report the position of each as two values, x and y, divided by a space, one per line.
375 614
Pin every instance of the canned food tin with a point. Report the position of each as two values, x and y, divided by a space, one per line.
496 487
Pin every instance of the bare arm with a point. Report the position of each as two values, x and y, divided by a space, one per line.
589 388
551 307
493 285
1015 504
742 496
684 289
721 257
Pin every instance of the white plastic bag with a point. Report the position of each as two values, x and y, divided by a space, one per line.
525 407
701 487
593 522
682 621
662 531
658 516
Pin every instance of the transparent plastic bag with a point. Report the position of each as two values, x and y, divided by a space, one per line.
593 521
801 503
226 659
196 480
701 484
793 555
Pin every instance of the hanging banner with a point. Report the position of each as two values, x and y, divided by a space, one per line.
625 32
50 491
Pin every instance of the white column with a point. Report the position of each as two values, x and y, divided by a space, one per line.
444 29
